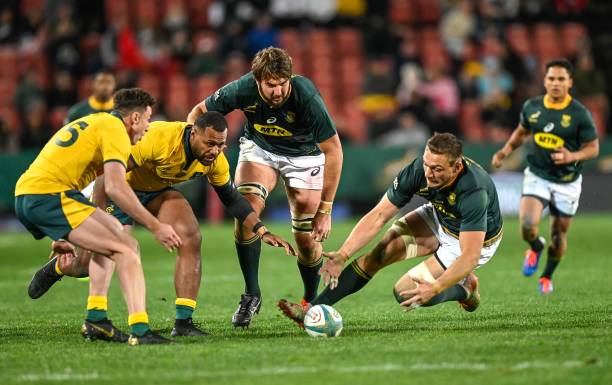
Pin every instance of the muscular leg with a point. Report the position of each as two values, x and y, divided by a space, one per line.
172 208
530 214
303 204
391 248
250 175
559 228
105 236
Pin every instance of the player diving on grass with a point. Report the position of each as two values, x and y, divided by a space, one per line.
170 153
48 200
460 229
562 136
288 135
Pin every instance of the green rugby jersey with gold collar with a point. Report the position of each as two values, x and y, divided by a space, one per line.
555 125
292 129
467 203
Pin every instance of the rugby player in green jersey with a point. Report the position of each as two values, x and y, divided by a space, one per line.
562 135
288 135
101 99
459 229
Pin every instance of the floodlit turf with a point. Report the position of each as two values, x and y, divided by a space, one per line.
516 337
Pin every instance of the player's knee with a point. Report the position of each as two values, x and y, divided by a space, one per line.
398 297
190 234
301 223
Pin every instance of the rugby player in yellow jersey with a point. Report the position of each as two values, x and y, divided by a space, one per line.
171 153
48 202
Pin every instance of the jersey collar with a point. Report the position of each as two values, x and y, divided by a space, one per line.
557 106
96 105
187 147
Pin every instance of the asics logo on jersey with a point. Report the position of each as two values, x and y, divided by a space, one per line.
549 127
271 120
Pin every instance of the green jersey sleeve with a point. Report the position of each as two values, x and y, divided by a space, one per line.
523 119
587 131
318 120
225 99
473 210
406 183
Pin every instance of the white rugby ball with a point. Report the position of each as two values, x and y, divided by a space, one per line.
323 321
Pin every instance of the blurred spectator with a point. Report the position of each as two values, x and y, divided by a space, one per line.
63 46
63 91
588 80
9 140
232 39
378 100
205 59
35 132
28 91
442 94
457 26
8 25
262 35
409 132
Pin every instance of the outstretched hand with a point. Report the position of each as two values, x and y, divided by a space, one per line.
420 295
276 241
332 267
321 226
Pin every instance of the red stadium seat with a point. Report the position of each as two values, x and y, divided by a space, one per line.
519 39
205 86
57 116
198 13
401 11
573 35
598 109
429 11
150 83
84 87
7 91
146 11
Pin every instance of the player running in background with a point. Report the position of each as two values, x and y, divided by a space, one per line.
48 201
461 227
170 153
562 136
101 99
288 134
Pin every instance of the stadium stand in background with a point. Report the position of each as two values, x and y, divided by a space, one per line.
389 71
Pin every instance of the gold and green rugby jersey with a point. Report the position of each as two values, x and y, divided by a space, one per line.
292 129
87 107
554 125
164 158
76 154
468 203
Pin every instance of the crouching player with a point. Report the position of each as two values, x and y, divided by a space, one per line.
461 226
170 153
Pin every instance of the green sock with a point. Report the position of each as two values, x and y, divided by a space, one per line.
139 329
351 280
551 265
248 257
184 307
310 278
95 315
453 293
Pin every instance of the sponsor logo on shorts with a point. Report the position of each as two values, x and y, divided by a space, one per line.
315 171
548 141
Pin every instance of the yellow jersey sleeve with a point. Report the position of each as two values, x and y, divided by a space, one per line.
219 173
115 142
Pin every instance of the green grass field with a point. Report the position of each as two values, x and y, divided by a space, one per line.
517 336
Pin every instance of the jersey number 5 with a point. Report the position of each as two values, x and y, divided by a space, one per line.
74 134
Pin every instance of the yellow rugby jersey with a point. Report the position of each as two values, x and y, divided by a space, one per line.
164 158
76 154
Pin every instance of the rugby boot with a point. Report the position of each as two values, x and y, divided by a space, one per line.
149 338
532 258
43 279
249 305
102 330
294 311
472 301
545 285
186 328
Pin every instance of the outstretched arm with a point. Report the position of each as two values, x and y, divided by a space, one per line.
515 141
239 208
321 224
195 113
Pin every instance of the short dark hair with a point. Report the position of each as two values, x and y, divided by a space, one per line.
212 119
561 62
127 100
272 63
445 144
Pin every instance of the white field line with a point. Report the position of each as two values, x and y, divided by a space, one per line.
448 366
